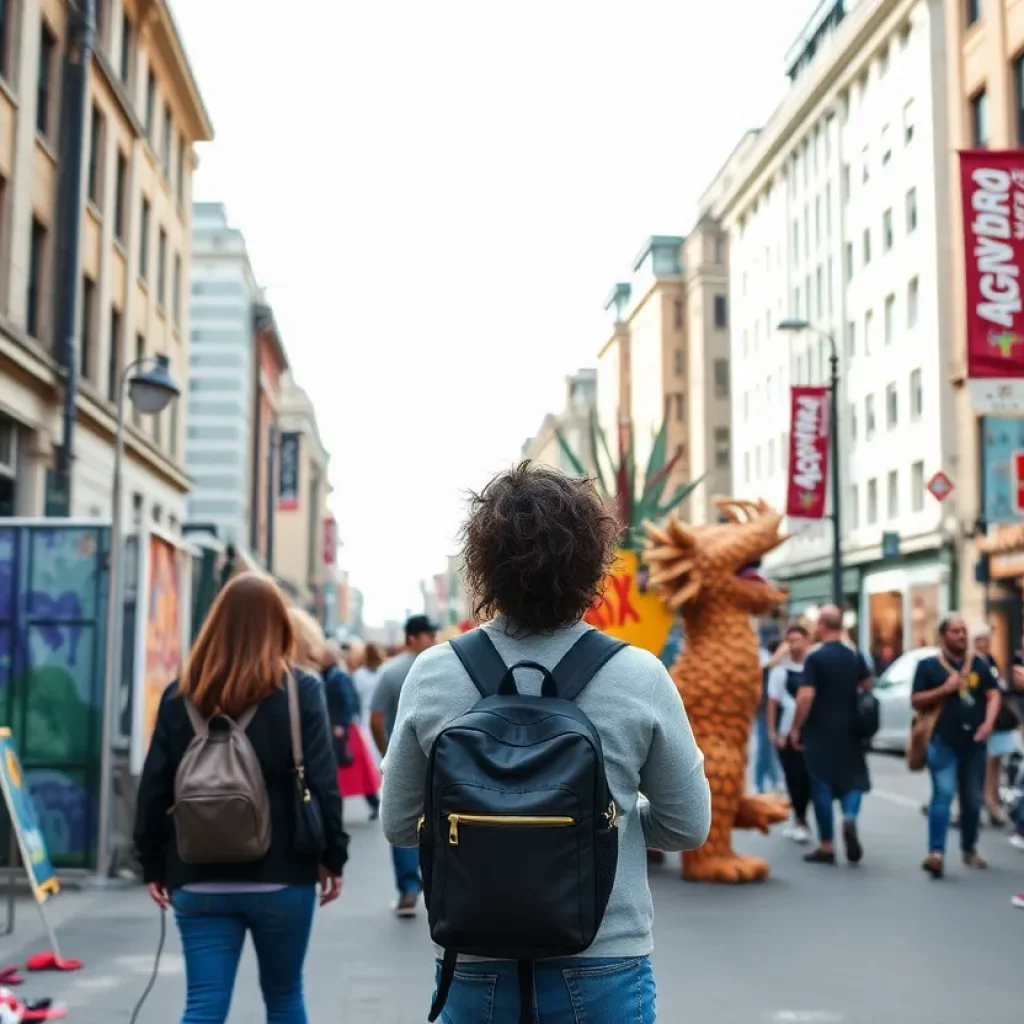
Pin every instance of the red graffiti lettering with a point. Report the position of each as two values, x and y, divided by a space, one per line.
598 614
627 612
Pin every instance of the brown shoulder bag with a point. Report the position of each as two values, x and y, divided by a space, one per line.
922 726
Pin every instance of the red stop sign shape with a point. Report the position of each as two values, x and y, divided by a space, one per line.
940 487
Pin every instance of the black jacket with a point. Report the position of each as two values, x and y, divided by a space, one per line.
270 737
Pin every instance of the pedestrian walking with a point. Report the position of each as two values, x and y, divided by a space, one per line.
1000 744
961 684
826 726
783 685
420 634
767 769
365 678
358 775
537 548
238 812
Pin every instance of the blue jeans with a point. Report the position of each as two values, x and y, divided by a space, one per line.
407 869
823 796
571 991
954 770
213 927
767 770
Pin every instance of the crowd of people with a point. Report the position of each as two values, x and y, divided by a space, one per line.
239 826
811 732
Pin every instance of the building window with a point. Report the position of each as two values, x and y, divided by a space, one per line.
165 148
677 315
161 268
887 230
8 29
973 11
114 355
746 467
151 107
719 249
88 328
45 89
912 290
722 455
769 458
120 197
854 508
911 211
721 312
746 405
846 184
867 246
680 407
890 318
144 240
853 421
865 158
96 137
979 120
916 395
140 353
817 220
851 339
127 48
869 323
917 487
173 428
819 288
872 509
36 273
849 261
176 285
892 494
892 407
886 145
869 418
180 179
908 122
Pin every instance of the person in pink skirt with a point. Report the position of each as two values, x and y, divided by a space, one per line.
357 770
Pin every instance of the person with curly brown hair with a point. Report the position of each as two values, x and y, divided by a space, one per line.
538 546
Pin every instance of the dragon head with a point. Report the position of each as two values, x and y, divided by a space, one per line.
687 563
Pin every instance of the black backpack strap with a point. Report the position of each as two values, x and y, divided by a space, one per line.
480 658
444 984
524 969
583 661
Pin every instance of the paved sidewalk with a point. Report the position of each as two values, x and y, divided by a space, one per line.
877 945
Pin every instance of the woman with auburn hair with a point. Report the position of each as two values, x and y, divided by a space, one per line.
239 669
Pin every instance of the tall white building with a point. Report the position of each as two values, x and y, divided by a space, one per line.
837 212
221 376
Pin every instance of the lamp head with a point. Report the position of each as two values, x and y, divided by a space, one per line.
152 390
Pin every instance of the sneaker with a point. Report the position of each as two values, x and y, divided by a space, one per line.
407 904
1018 900
934 865
854 850
1017 840
973 859
801 834
820 856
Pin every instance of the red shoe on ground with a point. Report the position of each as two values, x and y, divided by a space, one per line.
1018 900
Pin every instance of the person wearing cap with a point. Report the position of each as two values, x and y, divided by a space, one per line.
420 633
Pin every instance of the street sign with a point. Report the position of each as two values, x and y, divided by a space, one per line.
890 545
940 487
1017 467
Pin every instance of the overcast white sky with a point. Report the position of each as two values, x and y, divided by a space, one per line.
438 195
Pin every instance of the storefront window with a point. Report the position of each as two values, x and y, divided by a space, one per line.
886 624
924 615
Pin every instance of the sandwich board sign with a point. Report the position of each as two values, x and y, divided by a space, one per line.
41 876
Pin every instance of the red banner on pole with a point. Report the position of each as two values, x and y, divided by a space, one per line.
330 540
992 186
808 453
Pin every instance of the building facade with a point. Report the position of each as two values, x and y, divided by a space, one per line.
574 425
985 47
667 361
221 377
838 215
143 115
269 366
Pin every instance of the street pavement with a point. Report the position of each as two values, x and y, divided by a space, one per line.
877 944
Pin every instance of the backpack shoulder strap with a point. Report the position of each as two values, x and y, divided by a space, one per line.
480 658
244 720
199 724
583 661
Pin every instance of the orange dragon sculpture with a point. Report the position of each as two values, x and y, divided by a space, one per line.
709 575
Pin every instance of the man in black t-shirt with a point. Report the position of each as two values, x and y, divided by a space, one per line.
967 691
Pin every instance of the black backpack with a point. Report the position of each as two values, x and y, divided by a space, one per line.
519 838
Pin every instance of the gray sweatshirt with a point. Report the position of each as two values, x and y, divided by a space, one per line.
648 747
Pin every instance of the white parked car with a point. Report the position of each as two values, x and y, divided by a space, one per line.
892 688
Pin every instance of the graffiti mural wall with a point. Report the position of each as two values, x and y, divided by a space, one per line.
164 624
52 622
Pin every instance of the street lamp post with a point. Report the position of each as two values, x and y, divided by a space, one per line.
797 327
148 383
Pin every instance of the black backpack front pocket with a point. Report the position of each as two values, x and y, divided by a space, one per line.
502 874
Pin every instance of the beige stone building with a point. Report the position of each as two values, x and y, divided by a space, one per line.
573 423
668 359
143 115
985 57
299 532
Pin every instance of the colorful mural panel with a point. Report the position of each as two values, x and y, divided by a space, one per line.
164 625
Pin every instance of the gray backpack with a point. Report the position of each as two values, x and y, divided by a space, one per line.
221 809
